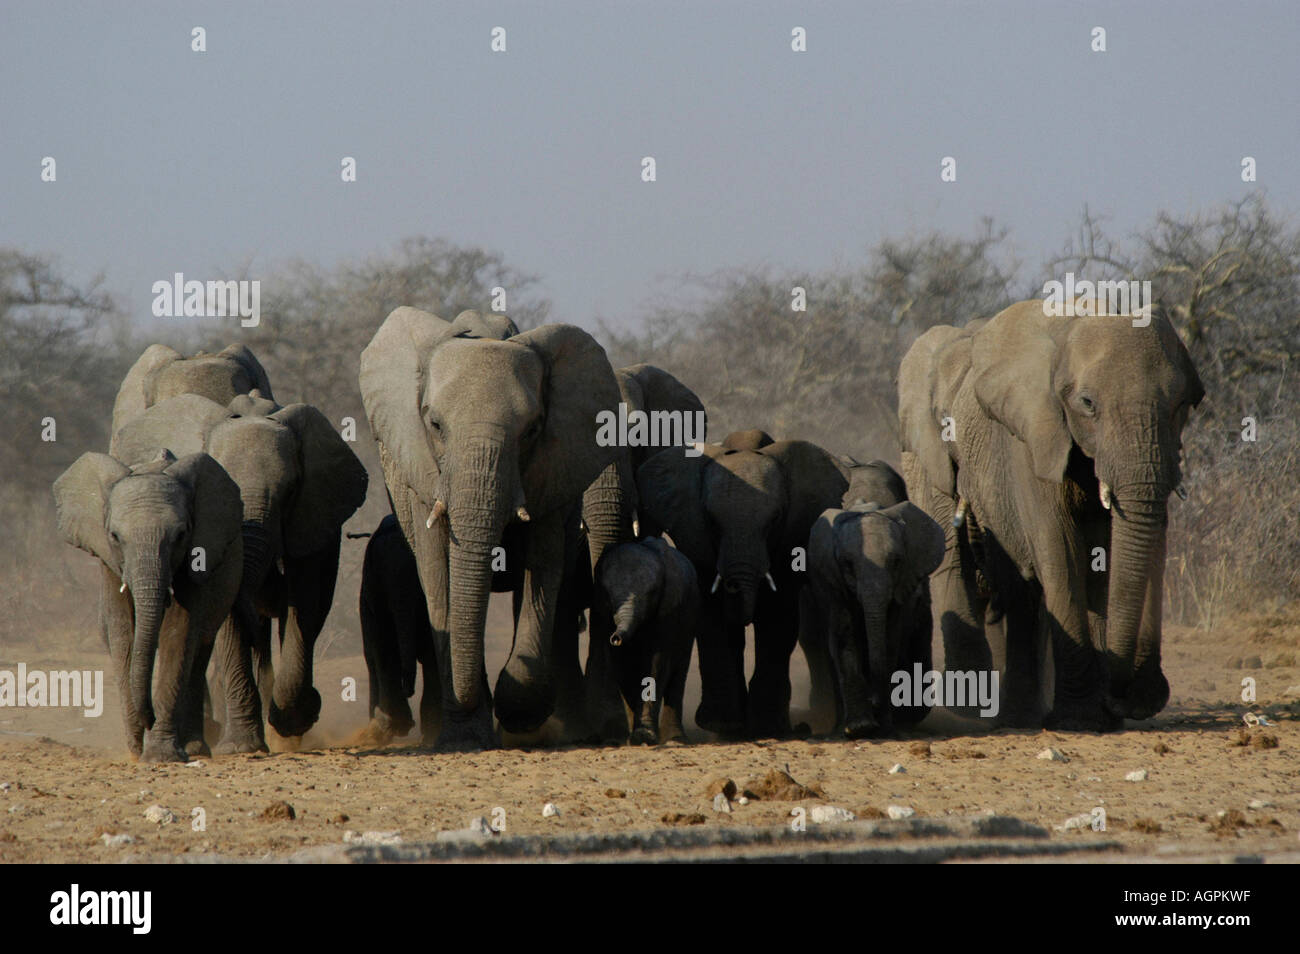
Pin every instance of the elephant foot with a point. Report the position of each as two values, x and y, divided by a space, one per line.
1091 716
297 718
1018 717
1145 696
523 702
161 748
239 741
643 735
467 732
196 748
725 724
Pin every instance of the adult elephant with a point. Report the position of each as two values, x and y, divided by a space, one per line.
299 481
610 514
167 535
740 511
1051 441
163 372
484 432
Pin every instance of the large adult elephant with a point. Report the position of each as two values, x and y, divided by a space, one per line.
739 511
609 513
163 372
167 535
1051 441
486 433
299 481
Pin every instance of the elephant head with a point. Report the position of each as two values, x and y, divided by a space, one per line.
740 512
1118 393
161 524
299 482
875 563
480 426
163 372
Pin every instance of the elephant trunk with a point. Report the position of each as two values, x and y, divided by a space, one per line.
149 578
628 618
1137 539
481 498
741 580
606 512
875 625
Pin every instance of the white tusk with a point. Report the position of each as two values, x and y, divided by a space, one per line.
716 583
1181 491
770 582
615 639
439 509
636 528
959 517
122 588
1105 494
522 514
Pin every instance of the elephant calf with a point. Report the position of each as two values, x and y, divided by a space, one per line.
396 635
167 532
868 570
651 593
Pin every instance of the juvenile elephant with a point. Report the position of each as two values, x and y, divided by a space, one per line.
868 570
167 535
651 593
739 511
299 481
486 433
396 636
163 372
1050 440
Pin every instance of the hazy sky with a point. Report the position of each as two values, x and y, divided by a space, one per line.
170 160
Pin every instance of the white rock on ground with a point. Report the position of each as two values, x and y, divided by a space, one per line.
372 838
1140 775
116 841
720 803
549 810
1076 822
159 815
897 769
829 814
899 811
1053 755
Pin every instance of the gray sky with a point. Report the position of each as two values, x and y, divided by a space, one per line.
170 160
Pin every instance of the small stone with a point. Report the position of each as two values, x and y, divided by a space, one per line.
897 812
1139 775
679 818
5 786
721 786
195 764
372 838
921 749
897 769
278 811
159 815
1053 755
1252 662
116 841
615 793
742 800
549 810
829 814
720 803
1076 822
1257 804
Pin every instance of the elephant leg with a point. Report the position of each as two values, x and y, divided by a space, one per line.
1079 701
961 605
776 631
118 626
604 699
847 643
917 649
295 703
635 664
430 697
566 670
242 729
1020 704
824 702
677 636
607 513
381 633
722 672
162 741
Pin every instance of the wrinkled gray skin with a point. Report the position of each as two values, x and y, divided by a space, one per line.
163 372
609 511
738 512
161 598
873 482
651 593
1044 411
483 434
299 481
868 570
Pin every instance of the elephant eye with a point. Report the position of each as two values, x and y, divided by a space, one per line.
1087 404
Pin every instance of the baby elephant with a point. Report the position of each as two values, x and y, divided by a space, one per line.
167 532
868 570
650 590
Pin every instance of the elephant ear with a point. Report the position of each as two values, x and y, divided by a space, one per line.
131 396
475 324
81 497
670 486
215 509
577 384
333 484
253 370
394 367
181 424
815 481
923 547
924 392
1013 358
1181 358
751 440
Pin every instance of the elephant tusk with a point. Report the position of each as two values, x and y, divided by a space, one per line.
522 514
1105 495
616 639
122 588
636 528
770 582
716 583
959 517
1181 491
437 513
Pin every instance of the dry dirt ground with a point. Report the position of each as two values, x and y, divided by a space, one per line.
1214 789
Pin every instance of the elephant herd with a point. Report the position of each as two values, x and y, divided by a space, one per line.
1030 443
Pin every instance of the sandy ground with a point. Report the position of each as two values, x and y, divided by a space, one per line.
1213 785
